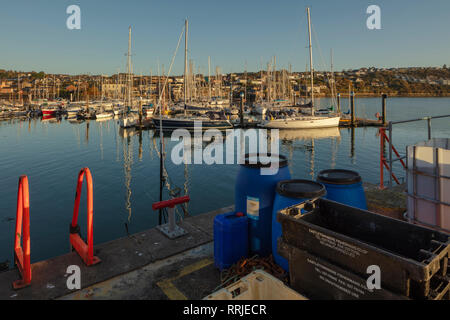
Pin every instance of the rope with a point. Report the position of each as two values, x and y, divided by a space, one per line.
246 266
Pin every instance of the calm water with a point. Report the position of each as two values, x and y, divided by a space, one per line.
125 168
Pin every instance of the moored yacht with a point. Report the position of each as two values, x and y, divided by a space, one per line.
284 121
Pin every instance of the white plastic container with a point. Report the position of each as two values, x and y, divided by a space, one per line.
428 183
258 285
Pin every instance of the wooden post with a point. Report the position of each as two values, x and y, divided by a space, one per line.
352 108
383 106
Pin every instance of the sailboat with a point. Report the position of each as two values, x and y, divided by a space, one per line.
209 120
129 119
304 122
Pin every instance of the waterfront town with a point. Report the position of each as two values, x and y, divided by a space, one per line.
20 87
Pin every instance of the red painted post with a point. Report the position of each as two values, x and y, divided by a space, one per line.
22 255
381 132
84 250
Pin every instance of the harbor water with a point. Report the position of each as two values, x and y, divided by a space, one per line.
125 167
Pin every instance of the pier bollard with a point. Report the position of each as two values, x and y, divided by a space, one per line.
84 250
22 255
171 230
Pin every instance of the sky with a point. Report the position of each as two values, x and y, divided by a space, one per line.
237 35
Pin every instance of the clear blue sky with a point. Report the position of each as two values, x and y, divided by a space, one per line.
34 35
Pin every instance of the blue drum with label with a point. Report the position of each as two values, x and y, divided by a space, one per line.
254 194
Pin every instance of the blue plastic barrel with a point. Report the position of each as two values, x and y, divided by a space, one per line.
289 193
254 194
344 186
230 239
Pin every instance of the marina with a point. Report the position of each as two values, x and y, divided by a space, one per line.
136 163
192 183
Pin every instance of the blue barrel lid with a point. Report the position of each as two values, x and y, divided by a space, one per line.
299 188
255 160
338 176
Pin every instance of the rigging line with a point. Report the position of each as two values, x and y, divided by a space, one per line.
333 99
167 179
168 75
161 134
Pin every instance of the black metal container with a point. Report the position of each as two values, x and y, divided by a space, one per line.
321 280
317 278
353 239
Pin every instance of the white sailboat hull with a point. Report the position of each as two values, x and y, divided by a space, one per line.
106 115
302 123
128 122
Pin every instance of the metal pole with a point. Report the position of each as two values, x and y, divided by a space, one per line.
209 77
429 127
171 213
390 154
338 98
185 61
382 130
140 113
311 62
242 110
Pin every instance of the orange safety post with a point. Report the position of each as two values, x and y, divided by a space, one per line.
22 255
84 250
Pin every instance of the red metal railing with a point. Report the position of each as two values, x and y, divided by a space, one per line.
383 161
22 255
84 250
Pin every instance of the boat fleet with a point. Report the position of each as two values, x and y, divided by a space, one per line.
212 112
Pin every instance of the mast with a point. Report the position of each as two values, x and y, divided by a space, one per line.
209 76
333 82
310 61
129 68
246 79
186 26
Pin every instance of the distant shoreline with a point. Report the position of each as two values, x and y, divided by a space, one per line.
378 95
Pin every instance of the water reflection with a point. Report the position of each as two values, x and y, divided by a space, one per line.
127 144
352 144
307 139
